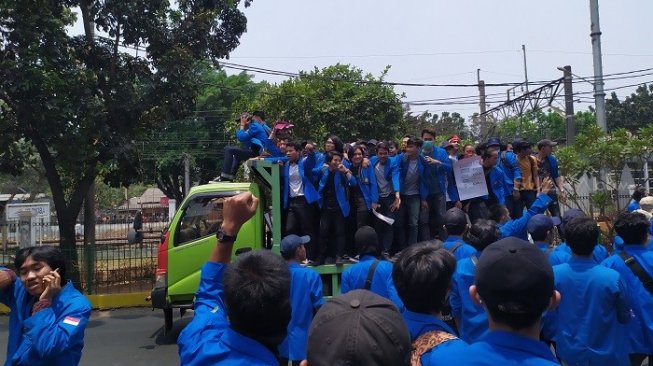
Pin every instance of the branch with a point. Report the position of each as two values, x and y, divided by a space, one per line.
87 19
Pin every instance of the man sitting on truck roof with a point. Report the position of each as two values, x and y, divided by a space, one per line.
241 310
305 298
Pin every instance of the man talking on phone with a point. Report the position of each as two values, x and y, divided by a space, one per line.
48 315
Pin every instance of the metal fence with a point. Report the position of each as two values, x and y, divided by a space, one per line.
110 266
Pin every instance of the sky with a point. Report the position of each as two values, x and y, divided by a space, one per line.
445 42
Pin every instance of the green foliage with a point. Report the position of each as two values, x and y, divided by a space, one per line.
633 113
539 125
338 100
81 102
595 151
445 125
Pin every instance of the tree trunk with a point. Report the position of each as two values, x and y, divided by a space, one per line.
67 245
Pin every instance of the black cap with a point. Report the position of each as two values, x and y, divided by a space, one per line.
455 217
493 141
514 276
546 142
259 114
358 328
372 142
569 215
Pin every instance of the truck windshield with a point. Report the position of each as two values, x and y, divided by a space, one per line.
201 217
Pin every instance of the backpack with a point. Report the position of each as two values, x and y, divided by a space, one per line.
427 342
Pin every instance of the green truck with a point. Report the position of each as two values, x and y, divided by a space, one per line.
191 236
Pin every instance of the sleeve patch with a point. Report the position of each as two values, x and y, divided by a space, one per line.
71 321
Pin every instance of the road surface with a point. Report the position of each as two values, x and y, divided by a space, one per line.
124 337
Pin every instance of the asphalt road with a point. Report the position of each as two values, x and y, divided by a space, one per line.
124 337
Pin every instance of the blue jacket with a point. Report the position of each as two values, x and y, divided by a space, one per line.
518 227
502 348
452 187
257 134
390 172
208 339
366 181
340 185
354 277
511 170
588 322
463 251
640 328
562 254
310 192
54 336
632 206
554 166
419 323
402 163
471 317
497 184
305 298
439 170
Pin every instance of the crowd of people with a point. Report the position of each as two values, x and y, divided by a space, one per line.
402 190
479 283
491 300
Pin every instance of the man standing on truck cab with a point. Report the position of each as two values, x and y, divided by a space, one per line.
334 181
305 299
242 309
299 196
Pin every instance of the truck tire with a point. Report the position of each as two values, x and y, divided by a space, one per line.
167 319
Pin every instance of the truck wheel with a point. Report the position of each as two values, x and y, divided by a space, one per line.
167 318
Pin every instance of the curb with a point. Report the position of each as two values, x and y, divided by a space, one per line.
111 301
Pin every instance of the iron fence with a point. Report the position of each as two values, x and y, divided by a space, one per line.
110 266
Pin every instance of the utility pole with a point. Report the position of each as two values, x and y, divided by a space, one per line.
481 92
599 94
523 48
569 106
186 174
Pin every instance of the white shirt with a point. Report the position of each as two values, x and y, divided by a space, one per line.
295 181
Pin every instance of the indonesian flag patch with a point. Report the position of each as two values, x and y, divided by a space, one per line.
71 321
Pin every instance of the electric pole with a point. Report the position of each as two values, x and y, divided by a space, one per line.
523 48
599 94
186 174
481 92
569 106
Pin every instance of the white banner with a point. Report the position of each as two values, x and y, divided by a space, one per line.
470 179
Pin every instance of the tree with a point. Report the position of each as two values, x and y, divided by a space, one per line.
338 100
81 101
635 112
200 137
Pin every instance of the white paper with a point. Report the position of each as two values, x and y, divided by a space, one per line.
470 178
383 218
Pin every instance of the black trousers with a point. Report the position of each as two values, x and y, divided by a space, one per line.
233 156
300 220
332 232
383 230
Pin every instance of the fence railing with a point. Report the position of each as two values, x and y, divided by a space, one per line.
110 266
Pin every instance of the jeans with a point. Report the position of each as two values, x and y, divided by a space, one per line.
300 221
408 220
233 156
554 206
432 219
385 231
526 199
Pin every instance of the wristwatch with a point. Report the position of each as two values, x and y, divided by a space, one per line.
224 238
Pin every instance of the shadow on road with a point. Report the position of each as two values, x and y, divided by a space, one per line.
171 337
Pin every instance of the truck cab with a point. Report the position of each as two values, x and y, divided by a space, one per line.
192 231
